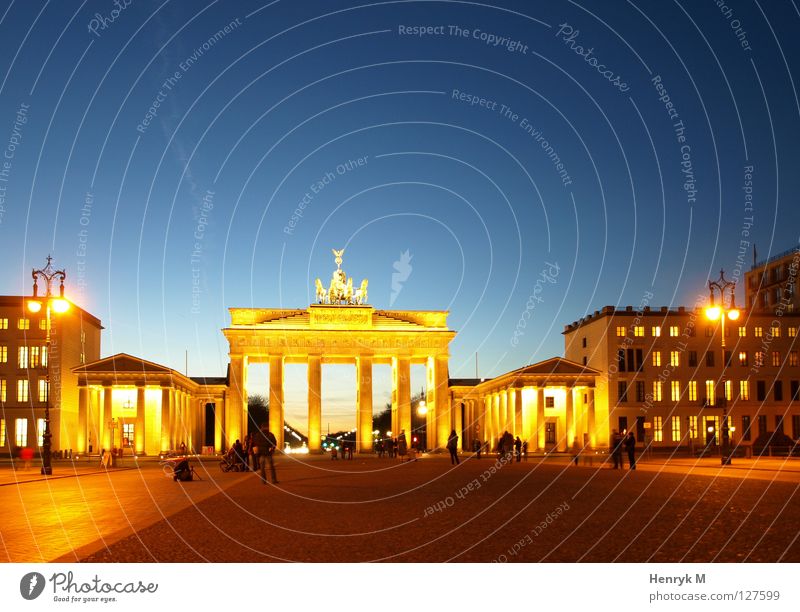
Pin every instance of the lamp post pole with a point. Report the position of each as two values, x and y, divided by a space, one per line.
724 311
47 274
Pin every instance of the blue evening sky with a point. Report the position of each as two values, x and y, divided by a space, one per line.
164 216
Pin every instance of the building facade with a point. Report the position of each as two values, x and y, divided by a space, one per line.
550 405
665 375
25 364
771 285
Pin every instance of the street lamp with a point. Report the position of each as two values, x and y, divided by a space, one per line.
722 312
51 303
422 408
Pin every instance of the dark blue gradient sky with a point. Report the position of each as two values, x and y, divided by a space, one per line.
190 206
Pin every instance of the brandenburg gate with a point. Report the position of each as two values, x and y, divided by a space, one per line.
340 328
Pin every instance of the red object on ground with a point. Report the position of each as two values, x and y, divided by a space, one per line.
26 454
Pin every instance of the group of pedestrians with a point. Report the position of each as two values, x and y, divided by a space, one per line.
256 452
620 441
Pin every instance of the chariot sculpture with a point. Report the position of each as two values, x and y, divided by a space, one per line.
341 290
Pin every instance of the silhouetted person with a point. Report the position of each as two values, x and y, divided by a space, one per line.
616 449
476 447
518 449
452 446
266 448
630 446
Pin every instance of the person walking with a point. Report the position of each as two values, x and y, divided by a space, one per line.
630 446
255 451
507 442
266 448
518 449
452 446
402 445
476 448
525 450
616 449
390 448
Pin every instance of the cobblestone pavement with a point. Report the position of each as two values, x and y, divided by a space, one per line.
83 509
370 510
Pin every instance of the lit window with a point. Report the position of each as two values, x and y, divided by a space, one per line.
40 431
759 359
3 354
3 323
676 428
656 358
22 390
43 324
692 390
620 331
23 324
638 331
44 356
658 432
793 358
710 399
128 433
656 390
758 332
21 432
2 432
692 426
34 357
729 390
776 332
744 390
743 358
675 390
44 389
709 331
742 332
792 332
3 390
549 401
675 358
776 358
674 331
22 357
656 331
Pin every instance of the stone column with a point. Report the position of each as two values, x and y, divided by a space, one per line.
364 404
442 415
487 433
83 417
105 418
540 418
314 371
570 418
504 409
518 430
219 419
166 410
497 419
401 388
590 419
138 428
458 423
276 419
237 401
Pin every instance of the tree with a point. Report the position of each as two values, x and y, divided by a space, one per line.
257 412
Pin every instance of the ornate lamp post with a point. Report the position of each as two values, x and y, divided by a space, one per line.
51 303
722 312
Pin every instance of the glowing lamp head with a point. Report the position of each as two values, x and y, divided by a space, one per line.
733 314
712 313
34 305
710 430
422 409
60 305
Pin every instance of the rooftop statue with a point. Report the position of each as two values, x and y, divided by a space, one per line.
341 290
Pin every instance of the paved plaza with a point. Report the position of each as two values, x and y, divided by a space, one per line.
370 509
